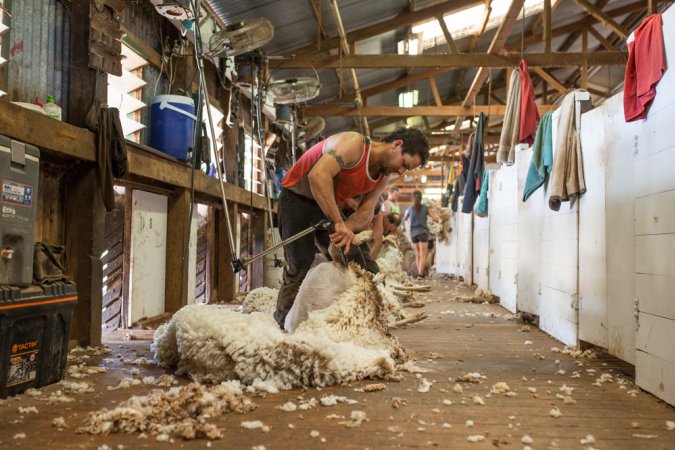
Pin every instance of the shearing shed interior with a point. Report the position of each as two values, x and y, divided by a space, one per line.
338 224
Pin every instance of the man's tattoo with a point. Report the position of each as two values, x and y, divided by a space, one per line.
337 157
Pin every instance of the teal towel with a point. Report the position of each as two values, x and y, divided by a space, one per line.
542 157
482 207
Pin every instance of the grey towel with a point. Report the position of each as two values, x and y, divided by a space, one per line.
506 154
111 153
567 179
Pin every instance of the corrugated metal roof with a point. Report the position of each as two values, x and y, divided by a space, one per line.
296 26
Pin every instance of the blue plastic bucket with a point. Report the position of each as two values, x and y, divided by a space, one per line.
172 122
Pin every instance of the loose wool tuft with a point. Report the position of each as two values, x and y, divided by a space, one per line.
346 341
261 299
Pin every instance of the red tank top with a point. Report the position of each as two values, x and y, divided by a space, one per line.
348 183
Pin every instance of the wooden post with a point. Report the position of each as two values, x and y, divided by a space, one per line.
223 276
87 87
257 268
85 219
651 7
584 68
547 26
177 259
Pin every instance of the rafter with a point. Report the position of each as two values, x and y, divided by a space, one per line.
496 46
534 38
600 38
316 6
474 43
483 60
393 111
346 50
401 20
603 18
550 79
448 37
434 90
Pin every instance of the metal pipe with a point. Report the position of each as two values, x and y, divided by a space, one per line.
199 54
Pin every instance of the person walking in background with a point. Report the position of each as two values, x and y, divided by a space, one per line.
419 231
390 205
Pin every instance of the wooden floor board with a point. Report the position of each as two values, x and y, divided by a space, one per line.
474 338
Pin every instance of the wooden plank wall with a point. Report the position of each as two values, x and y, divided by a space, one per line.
504 235
655 235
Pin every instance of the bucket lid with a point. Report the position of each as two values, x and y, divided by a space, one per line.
174 99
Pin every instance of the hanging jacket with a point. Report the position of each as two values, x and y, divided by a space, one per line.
476 167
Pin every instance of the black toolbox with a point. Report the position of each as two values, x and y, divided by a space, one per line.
34 333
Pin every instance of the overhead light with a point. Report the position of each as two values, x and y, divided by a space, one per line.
423 179
408 98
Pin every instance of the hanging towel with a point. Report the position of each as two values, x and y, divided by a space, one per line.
567 179
645 67
506 154
482 206
529 114
469 146
460 184
476 167
111 153
542 157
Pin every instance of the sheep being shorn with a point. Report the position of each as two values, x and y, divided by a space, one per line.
346 341
262 299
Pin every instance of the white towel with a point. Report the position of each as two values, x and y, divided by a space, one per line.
567 179
506 154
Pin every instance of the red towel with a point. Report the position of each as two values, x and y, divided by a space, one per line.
645 67
529 115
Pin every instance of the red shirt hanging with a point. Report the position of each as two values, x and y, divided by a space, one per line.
645 67
529 115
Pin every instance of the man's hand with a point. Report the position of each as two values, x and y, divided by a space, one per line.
343 236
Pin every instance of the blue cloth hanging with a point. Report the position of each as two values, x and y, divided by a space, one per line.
542 157
482 206
476 168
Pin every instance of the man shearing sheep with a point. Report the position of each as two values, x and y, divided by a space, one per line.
341 167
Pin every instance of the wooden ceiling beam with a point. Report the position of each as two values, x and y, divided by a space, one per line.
496 46
603 18
409 79
346 50
550 79
316 6
482 60
403 19
393 111
603 40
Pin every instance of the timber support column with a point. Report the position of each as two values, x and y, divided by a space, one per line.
177 258
85 225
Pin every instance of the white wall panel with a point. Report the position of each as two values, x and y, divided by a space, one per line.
503 270
465 247
654 234
148 254
529 238
481 251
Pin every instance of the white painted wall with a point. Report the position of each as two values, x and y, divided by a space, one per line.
529 239
559 266
503 211
148 255
655 234
465 246
447 253
481 251
606 226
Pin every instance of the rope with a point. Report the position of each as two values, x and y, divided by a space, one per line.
522 34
